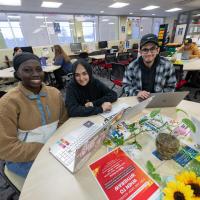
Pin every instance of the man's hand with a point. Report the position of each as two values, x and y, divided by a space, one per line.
89 104
106 106
143 95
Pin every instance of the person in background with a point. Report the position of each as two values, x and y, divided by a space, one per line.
87 95
190 48
63 60
30 115
17 50
150 73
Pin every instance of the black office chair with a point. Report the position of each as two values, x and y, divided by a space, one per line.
117 74
84 56
115 49
11 180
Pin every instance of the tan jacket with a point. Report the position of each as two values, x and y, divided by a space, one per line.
27 121
194 51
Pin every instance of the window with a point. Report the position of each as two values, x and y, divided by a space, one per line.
86 28
19 39
156 25
108 28
65 35
146 25
89 31
136 28
7 34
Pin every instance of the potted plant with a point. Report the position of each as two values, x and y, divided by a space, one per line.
167 144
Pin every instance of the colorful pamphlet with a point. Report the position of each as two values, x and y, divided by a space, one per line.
122 179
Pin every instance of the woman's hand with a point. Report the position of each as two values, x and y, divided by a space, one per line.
89 104
106 106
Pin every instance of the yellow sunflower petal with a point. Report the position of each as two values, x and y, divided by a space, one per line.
186 177
173 187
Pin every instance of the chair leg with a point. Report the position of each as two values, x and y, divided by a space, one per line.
196 94
113 86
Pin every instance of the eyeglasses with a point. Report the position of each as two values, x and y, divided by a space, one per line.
152 50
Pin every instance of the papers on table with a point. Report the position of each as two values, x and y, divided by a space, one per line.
115 109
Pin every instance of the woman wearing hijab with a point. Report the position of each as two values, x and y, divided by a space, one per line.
29 115
86 95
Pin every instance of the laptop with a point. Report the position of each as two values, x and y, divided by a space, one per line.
185 55
167 99
74 149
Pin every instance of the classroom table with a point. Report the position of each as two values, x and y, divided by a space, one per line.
98 57
9 72
49 179
191 65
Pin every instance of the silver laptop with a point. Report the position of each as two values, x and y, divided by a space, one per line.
167 99
74 149
185 55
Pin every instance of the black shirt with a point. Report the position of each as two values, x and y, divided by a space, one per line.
95 91
148 75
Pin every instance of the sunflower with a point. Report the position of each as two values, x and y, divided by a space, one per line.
177 191
190 178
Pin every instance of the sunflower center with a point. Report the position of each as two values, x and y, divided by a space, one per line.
196 189
179 196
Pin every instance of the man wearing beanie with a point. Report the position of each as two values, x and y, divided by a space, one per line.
29 115
150 73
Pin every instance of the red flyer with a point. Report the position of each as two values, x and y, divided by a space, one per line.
122 179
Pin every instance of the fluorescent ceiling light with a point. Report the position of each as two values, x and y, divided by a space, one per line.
10 2
150 7
14 17
118 5
196 15
153 14
130 13
101 11
48 22
43 26
48 4
105 20
71 22
111 23
173 10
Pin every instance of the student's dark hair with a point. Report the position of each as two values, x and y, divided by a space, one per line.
15 50
85 64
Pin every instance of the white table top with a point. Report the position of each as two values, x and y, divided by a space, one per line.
9 72
98 57
48 179
191 65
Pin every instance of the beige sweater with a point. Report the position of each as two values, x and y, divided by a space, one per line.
22 111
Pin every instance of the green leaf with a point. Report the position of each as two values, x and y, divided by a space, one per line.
156 177
139 146
150 167
130 126
118 141
154 112
180 110
142 121
189 124
107 142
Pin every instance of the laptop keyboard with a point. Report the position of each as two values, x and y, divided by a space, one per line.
67 155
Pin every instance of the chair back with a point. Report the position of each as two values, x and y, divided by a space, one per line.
123 56
117 72
110 58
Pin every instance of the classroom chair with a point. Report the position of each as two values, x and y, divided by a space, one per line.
117 74
13 180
